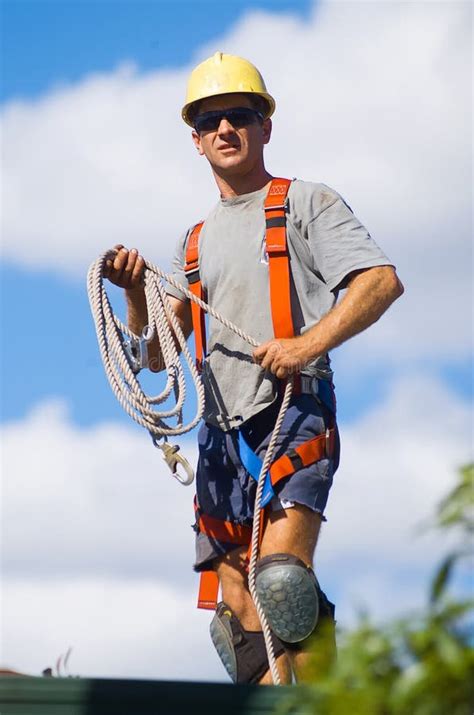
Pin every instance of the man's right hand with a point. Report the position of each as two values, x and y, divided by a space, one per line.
126 269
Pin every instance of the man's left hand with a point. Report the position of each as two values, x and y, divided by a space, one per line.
283 357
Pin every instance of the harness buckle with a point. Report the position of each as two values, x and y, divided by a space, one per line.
309 385
280 207
136 349
172 459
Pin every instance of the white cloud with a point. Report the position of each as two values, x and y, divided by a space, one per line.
97 553
397 462
97 547
115 629
103 501
373 98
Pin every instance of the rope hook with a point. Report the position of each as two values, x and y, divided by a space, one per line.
172 459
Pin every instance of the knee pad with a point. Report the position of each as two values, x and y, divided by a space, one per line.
242 652
289 595
323 637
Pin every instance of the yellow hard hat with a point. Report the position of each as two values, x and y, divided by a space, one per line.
225 74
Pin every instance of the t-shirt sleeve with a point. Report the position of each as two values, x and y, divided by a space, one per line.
340 244
177 269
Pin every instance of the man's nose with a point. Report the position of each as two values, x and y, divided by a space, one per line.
225 127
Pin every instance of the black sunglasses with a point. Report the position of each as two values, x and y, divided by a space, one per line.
237 116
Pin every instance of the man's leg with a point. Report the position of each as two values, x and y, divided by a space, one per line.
293 531
233 578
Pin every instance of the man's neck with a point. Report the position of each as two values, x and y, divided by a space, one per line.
231 186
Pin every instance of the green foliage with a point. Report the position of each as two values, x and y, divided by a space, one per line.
422 664
457 508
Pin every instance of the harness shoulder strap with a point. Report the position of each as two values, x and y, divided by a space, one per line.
191 269
278 258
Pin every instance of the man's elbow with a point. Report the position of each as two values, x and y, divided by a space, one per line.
390 285
397 288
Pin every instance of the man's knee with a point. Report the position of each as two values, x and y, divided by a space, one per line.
233 577
232 567
292 600
242 652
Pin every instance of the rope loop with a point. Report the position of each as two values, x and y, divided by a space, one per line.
123 354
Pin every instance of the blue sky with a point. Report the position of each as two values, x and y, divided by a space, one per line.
45 43
95 153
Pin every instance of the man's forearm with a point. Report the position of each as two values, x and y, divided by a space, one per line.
137 314
368 296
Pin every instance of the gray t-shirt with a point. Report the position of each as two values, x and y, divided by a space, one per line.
326 242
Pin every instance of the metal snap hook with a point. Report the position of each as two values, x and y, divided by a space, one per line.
173 459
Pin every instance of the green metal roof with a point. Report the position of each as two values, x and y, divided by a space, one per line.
21 695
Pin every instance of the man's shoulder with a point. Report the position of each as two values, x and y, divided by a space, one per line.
307 199
315 191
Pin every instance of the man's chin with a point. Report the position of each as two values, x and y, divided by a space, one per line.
231 165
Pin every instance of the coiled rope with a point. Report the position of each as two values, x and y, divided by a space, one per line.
112 337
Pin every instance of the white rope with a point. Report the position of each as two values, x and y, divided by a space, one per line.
256 531
143 408
123 381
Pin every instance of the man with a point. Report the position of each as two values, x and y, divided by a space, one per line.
326 250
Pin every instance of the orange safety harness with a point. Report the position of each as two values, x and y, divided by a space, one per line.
280 301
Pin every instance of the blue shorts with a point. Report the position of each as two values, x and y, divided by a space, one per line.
226 491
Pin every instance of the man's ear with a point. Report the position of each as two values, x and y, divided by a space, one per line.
267 130
197 142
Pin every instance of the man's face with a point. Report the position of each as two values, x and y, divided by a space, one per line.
232 151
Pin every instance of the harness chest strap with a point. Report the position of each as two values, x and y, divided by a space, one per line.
301 456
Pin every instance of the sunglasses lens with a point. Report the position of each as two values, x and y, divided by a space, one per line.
206 123
238 117
241 117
